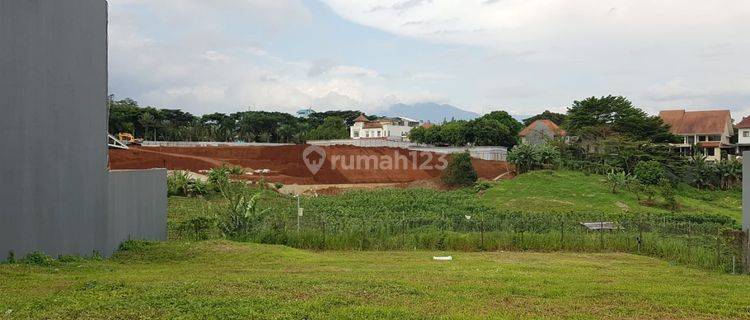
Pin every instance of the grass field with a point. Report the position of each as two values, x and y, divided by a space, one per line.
572 191
229 280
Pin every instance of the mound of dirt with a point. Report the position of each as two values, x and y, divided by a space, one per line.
285 164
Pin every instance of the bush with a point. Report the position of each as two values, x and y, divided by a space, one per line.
179 183
218 177
460 172
198 228
649 172
38 258
134 245
241 215
529 157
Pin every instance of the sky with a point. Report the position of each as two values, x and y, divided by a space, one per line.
521 56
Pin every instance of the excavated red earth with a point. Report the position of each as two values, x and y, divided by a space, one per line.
287 166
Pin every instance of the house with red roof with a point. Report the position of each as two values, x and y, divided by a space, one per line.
706 132
541 131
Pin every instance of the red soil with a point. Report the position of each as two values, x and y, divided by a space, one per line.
288 167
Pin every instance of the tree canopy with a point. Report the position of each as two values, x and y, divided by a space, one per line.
615 115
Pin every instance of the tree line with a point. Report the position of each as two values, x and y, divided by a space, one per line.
151 123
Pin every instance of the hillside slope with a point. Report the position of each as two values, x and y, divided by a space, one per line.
566 191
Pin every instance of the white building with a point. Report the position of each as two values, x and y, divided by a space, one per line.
743 140
384 128
707 132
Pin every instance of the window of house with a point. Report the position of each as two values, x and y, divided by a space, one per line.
701 138
746 134
378 133
367 134
710 152
356 133
714 138
690 139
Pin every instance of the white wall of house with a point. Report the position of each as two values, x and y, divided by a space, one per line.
389 131
744 137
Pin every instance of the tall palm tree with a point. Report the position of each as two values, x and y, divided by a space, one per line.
146 120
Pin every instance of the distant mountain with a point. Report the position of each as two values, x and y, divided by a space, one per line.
428 111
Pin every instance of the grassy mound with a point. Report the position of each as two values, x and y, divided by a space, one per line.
571 191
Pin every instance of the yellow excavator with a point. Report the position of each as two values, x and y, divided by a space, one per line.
128 139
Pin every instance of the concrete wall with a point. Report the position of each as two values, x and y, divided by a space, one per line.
53 154
56 192
137 206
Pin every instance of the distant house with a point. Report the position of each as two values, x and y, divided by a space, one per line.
305 113
540 131
707 132
743 140
384 128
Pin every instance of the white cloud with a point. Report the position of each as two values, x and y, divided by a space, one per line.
200 68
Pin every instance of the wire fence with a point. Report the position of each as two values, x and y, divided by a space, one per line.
706 245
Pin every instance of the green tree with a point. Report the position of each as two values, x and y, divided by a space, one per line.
460 172
147 121
332 128
606 116
557 118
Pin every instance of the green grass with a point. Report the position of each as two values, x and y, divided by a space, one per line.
572 191
228 280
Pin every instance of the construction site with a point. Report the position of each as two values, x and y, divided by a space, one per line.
285 164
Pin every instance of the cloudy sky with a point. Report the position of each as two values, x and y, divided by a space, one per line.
523 56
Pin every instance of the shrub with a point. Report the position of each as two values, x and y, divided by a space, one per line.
649 172
218 177
134 245
617 180
38 258
529 157
11 257
241 215
460 172
179 183
278 185
198 228
667 191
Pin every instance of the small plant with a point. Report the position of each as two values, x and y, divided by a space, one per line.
460 172
198 228
527 157
482 186
617 180
134 245
218 177
11 257
667 191
278 185
241 215
38 258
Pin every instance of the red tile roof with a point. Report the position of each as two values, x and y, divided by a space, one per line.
361 118
548 123
373 125
744 124
696 122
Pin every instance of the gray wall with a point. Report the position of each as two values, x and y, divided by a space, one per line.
56 193
53 155
137 206
746 206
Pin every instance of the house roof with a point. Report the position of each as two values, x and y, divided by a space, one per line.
373 125
744 124
713 144
361 118
547 123
696 122
427 125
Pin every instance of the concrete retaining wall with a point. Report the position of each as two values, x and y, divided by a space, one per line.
137 206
